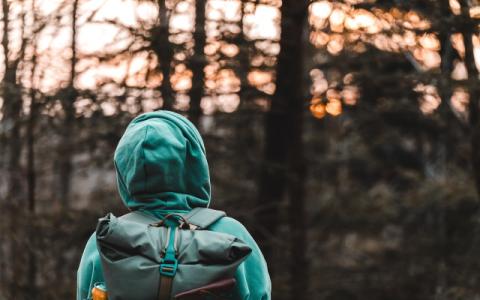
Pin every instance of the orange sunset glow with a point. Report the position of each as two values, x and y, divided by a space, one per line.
104 30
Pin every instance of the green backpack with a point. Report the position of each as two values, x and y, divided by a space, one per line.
174 258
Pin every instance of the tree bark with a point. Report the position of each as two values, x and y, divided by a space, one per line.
68 97
243 58
294 14
163 48
447 58
284 149
474 90
31 179
31 172
13 239
198 62
11 110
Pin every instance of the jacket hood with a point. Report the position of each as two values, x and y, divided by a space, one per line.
161 164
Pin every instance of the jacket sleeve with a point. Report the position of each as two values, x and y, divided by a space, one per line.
253 279
89 271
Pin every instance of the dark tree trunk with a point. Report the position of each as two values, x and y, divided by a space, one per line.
474 90
164 51
66 148
243 59
284 148
198 62
13 239
447 55
289 84
272 182
31 179
31 172
445 93
11 111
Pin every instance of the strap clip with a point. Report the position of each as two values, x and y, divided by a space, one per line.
168 267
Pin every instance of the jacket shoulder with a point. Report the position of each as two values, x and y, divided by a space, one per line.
233 227
229 225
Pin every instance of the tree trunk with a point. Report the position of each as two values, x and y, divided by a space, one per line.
13 239
289 84
473 88
31 173
284 148
447 55
65 149
11 111
243 59
31 179
272 182
198 62
164 51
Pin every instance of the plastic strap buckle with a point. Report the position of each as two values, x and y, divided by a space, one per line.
168 267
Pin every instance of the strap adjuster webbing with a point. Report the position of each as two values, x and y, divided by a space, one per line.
169 264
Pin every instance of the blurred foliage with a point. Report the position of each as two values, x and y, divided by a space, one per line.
389 145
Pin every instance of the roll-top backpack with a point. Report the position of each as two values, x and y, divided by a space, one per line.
174 258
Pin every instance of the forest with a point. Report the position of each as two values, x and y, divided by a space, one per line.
344 134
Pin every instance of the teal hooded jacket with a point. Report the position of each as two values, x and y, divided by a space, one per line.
162 168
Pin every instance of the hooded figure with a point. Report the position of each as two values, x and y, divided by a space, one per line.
162 168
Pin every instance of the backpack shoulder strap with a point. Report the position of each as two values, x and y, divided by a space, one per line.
201 217
139 217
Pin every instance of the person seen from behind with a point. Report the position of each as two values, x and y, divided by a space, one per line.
161 169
